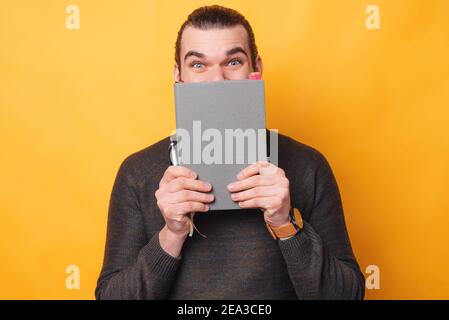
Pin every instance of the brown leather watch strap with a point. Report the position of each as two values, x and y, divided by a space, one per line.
288 229
282 231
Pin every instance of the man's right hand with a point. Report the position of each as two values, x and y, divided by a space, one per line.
178 195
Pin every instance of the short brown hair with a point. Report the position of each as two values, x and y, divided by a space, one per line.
216 16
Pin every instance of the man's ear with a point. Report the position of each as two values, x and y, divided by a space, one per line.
259 65
176 74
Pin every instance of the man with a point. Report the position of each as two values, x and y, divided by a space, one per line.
262 251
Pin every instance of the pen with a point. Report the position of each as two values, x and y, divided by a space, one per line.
174 161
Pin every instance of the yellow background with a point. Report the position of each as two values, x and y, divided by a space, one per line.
74 104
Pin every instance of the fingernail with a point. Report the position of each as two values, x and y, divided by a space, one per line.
255 76
231 186
240 175
207 208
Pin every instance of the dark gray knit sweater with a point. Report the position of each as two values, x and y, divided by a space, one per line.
239 259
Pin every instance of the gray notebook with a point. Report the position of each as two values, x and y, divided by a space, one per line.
220 129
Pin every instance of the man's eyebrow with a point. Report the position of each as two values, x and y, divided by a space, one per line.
230 52
236 50
194 54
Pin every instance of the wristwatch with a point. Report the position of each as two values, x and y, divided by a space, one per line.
288 230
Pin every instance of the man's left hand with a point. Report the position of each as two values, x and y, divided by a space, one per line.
263 185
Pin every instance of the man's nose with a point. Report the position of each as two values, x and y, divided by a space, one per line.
216 74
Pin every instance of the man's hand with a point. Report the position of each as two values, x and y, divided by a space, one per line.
263 185
178 195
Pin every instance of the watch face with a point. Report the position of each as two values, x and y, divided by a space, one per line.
297 219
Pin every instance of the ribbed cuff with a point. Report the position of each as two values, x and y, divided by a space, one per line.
299 247
159 261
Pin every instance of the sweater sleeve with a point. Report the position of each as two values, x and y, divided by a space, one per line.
319 258
134 266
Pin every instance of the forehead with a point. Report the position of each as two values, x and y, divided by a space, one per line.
213 41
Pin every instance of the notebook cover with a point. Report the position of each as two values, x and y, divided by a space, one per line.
220 106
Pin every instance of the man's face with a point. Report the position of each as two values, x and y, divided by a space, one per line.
215 54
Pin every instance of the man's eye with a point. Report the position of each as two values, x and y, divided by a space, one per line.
197 65
235 62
